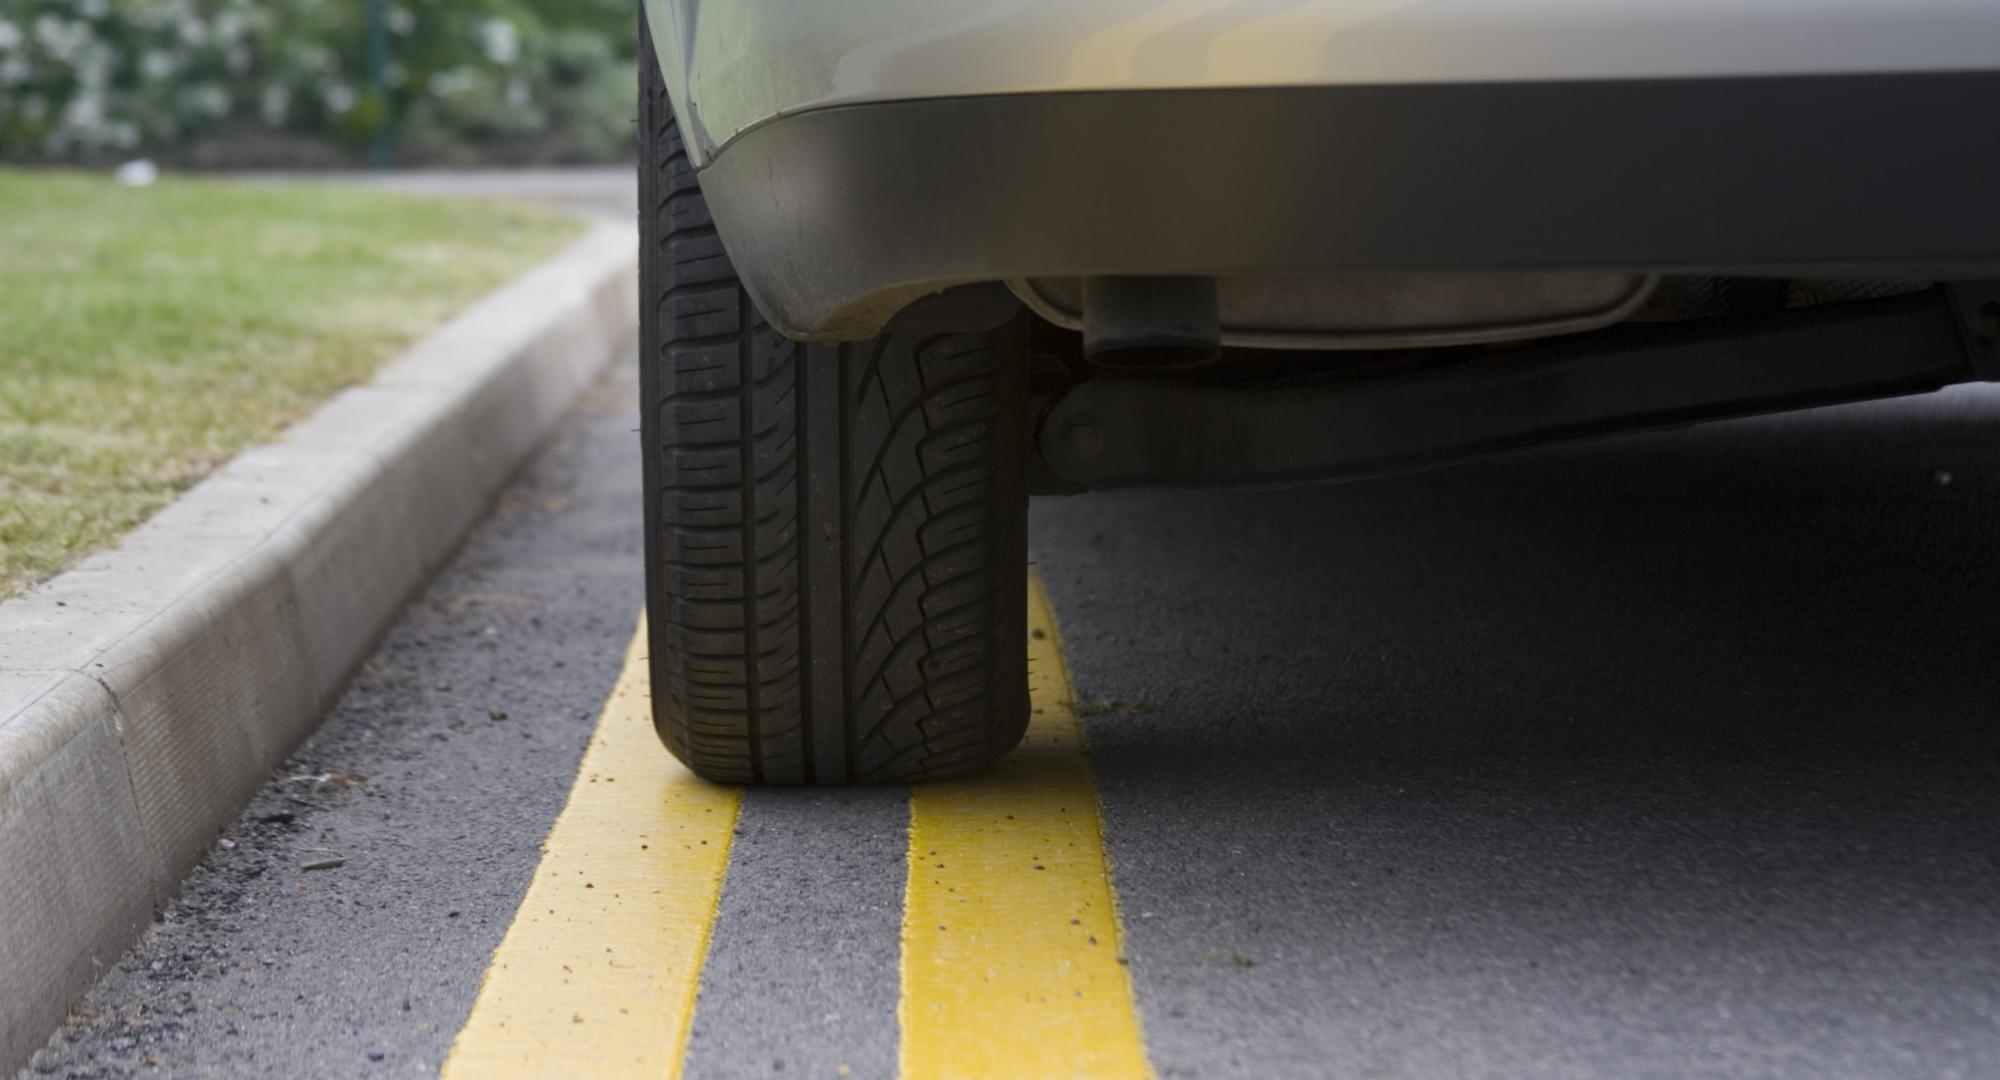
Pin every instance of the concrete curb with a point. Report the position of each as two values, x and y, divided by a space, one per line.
145 694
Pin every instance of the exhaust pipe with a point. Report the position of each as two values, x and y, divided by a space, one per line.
1153 323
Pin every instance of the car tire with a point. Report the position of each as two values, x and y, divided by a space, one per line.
836 538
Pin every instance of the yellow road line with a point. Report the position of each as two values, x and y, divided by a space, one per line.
597 975
1011 942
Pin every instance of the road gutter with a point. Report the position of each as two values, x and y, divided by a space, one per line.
147 693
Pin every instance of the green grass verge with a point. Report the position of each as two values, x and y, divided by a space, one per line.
148 334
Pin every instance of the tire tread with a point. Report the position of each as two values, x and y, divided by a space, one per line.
924 598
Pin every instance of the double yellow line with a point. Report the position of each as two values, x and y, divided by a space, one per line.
597 974
1011 957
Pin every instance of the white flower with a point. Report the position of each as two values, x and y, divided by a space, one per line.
10 35
339 97
156 64
277 104
312 59
452 83
63 40
500 40
207 98
400 21
97 62
83 111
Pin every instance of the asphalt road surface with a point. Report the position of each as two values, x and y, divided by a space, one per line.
1663 756
1669 755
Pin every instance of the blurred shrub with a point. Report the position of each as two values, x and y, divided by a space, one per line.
518 79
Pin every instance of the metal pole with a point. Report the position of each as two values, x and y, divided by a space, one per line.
378 80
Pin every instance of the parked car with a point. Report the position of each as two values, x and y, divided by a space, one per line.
906 263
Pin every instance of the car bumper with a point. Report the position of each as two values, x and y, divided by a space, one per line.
838 216
732 65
